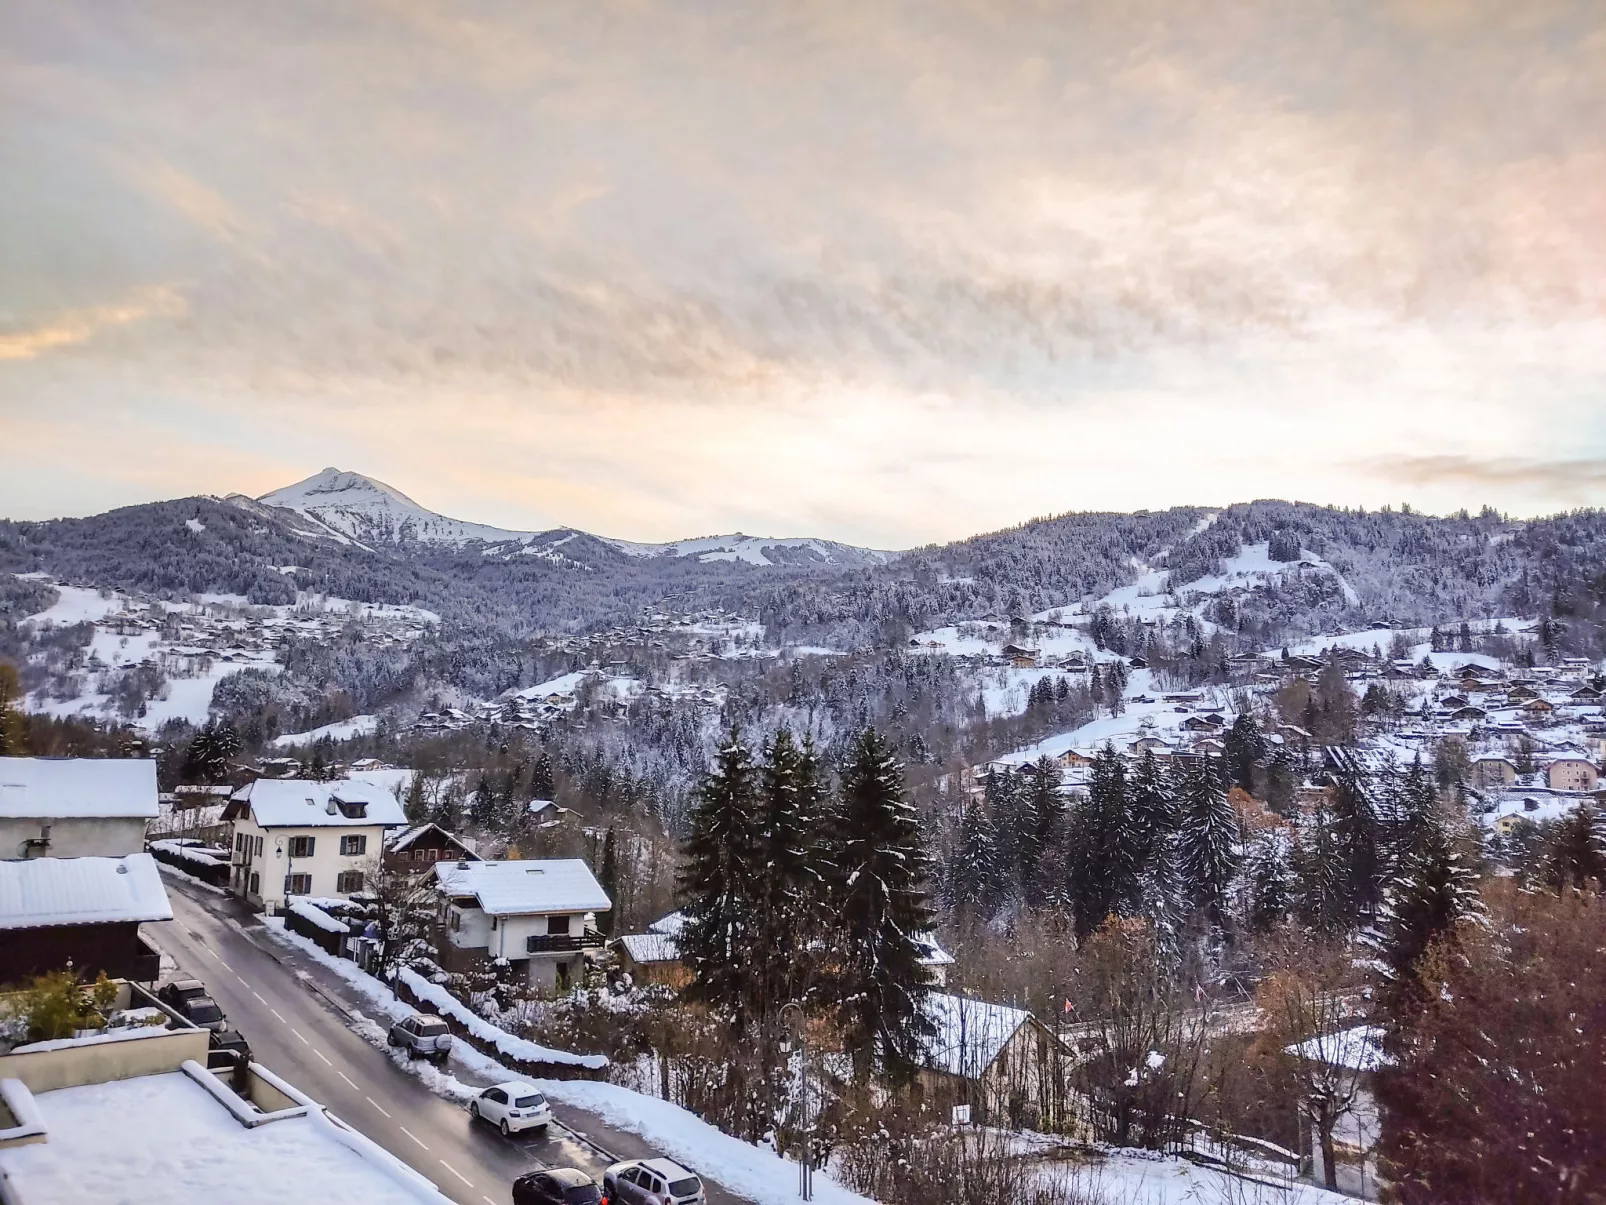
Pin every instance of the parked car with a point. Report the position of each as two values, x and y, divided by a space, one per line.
652 1182
556 1186
225 1047
422 1034
202 1011
512 1106
180 992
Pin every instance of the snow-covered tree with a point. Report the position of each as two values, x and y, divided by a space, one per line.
1207 839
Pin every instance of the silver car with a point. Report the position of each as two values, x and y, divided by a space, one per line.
652 1182
422 1034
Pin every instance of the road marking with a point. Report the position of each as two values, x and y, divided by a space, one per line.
207 951
224 965
260 1000
487 1199
411 1135
275 1012
299 1038
376 1104
345 1077
244 984
457 1173
321 1055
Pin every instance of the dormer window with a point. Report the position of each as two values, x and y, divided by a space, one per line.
352 811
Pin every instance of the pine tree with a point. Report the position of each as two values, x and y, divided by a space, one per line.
1041 821
11 730
975 878
719 885
1321 897
1575 855
1207 838
541 781
1357 846
882 984
1271 888
1246 752
609 881
1436 891
790 886
1102 867
482 808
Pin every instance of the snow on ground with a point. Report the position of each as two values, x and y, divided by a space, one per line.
1146 1178
760 1175
77 605
340 730
188 699
1253 565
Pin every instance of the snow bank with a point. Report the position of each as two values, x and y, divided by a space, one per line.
317 916
189 853
761 1176
340 730
448 1005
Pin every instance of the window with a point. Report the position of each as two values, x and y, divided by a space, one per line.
348 881
239 842
256 884
302 847
298 884
259 847
352 847
455 921
496 1096
557 925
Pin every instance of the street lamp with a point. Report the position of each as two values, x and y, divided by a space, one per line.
805 1169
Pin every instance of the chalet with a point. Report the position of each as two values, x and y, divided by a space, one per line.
1200 723
85 912
540 915
419 848
1494 772
1585 694
1518 693
652 958
1074 758
1149 744
1537 707
1020 658
934 958
1001 1061
294 836
1452 702
1138 662
1469 714
1571 774
75 807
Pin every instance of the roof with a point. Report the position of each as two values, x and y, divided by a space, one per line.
81 891
970 1033
651 947
1359 1049
532 886
931 953
406 840
670 924
160 1139
68 787
302 803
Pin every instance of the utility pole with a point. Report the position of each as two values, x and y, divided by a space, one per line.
805 1168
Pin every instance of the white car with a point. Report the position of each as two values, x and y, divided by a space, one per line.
511 1107
652 1182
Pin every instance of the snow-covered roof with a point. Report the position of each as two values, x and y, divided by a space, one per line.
1359 1049
970 1033
670 924
651 947
81 891
526 887
157 1139
302 803
406 840
67 787
931 953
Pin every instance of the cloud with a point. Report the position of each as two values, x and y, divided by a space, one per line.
1559 478
73 327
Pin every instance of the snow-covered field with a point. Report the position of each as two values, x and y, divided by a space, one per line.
340 730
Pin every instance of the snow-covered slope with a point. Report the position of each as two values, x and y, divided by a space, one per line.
760 550
350 506
371 512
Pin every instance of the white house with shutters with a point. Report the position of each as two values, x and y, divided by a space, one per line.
297 837
540 915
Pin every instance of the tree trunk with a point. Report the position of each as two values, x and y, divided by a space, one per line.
1325 1125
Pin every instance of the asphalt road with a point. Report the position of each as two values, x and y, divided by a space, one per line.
294 1022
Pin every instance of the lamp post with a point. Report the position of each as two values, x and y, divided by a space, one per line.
805 1168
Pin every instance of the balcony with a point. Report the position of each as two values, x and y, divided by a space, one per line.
564 943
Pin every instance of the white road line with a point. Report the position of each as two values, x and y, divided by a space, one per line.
345 1077
225 966
275 1012
244 984
457 1173
260 1000
207 951
299 1038
487 1199
413 1136
376 1104
321 1055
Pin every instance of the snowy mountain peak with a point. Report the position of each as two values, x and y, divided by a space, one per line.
352 508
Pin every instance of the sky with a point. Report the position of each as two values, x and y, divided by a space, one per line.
888 273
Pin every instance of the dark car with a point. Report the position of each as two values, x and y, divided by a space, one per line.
180 992
202 1011
556 1186
226 1047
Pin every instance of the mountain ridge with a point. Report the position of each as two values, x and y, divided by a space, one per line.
353 507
